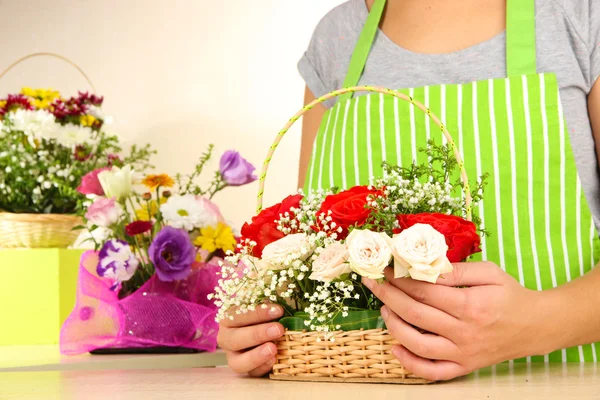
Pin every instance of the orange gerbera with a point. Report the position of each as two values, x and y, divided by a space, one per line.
154 181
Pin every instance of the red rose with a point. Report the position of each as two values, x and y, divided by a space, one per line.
461 235
138 227
348 208
263 228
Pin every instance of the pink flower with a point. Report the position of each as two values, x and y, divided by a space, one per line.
212 210
104 212
90 184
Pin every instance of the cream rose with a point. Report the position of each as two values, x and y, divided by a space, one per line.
369 253
420 251
281 253
331 263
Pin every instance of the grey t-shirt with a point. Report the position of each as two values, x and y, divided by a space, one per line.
568 44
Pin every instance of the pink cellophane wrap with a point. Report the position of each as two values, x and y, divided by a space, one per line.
173 314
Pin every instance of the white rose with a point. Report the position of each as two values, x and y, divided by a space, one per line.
331 263
117 182
420 251
370 253
281 253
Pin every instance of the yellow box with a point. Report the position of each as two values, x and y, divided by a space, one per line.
37 293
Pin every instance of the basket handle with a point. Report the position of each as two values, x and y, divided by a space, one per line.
46 54
372 89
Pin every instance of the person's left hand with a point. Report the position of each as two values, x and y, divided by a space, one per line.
494 319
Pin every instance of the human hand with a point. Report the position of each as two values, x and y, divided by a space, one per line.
494 319
247 340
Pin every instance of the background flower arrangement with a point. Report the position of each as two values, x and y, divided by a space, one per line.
48 143
309 253
158 241
168 228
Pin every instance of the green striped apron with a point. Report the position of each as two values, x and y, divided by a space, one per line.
542 231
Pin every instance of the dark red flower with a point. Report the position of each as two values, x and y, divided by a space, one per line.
114 159
82 153
86 98
138 227
15 101
346 209
263 228
70 108
461 235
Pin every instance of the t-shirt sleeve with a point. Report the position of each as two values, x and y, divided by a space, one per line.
330 48
594 43
584 18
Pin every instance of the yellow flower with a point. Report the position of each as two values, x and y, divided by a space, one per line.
211 239
87 120
42 98
154 181
149 211
27 91
42 104
2 103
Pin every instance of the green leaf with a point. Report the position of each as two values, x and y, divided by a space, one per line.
363 319
78 228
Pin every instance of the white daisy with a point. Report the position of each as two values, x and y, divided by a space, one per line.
70 135
37 124
186 212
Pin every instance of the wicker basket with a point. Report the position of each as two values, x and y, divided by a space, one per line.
38 230
353 356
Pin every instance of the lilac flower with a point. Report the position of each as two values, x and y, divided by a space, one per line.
117 261
172 254
236 170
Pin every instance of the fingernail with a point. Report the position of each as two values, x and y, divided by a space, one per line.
274 332
267 352
385 312
275 312
368 282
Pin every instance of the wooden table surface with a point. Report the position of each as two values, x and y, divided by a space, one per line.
507 381
48 358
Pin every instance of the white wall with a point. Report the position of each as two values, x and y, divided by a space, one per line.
177 73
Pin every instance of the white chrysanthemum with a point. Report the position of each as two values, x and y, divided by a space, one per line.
37 124
186 212
70 135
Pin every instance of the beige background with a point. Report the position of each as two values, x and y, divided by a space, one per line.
177 73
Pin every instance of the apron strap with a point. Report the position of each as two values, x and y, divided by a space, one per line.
363 47
520 38
520 41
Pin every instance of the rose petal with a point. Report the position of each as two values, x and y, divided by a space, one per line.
424 276
400 268
443 265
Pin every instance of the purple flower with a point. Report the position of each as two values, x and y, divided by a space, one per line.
172 254
117 261
236 170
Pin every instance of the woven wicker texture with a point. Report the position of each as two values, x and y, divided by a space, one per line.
38 230
353 356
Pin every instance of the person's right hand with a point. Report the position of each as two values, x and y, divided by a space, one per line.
247 340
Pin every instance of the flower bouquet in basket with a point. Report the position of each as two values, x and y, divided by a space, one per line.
310 252
157 251
48 143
